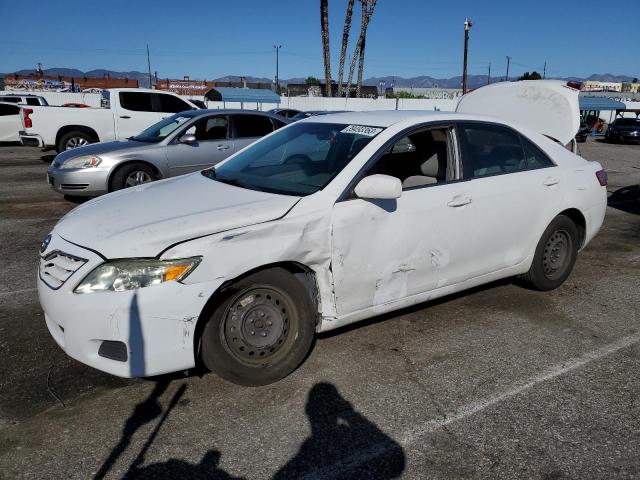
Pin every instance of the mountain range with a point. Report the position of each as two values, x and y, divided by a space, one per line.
422 81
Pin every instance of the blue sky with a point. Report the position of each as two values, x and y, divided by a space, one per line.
207 39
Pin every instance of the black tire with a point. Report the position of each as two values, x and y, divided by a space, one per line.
77 138
254 340
122 176
555 255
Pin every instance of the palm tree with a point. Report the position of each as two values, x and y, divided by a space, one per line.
358 54
345 41
324 26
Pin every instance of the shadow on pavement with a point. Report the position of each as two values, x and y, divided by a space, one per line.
626 199
343 444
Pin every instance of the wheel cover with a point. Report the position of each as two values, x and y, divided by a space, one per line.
557 254
256 325
137 178
75 142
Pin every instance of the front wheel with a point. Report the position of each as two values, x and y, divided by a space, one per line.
555 255
131 175
262 330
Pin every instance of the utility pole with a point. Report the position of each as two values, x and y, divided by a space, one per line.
544 72
467 26
489 74
149 66
277 47
508 62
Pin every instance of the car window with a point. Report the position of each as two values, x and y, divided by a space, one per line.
420 159
246 126
491 150
298 160
136 101
277 123
210 128
159 131
535 157
33 101
10 99
6 110
171 104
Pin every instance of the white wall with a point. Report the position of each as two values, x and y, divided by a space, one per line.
60 98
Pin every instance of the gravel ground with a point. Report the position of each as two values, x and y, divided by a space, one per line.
497 382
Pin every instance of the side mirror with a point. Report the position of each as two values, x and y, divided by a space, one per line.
381 187
188 138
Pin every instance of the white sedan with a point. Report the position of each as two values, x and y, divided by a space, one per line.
325 222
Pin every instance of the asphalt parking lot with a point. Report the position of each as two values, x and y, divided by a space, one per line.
498 382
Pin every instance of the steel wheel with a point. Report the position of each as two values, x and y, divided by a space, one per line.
137 178
75 142
557 254
256 325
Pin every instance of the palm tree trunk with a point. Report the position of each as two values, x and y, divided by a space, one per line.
324 26
345 41
367 10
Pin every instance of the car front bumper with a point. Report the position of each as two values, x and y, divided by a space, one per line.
85 182
153 328
31 140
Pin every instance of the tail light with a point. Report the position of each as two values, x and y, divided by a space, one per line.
28 123
602 177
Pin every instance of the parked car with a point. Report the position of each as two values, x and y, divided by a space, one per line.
10 123
285 112
583 133
313 113
179 144
325 222
20 99
623 130
126 112
198 103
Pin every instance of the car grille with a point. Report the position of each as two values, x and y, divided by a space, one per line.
57 267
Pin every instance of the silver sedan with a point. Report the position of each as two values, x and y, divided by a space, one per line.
183 143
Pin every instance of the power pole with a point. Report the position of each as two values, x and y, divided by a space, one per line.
149 66
544 72
489 74
508 62
467 26
277 47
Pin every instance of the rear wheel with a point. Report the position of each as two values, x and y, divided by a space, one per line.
262 330
74 139
555 255
131 175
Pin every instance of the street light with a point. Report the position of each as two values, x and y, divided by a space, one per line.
277 47
467 26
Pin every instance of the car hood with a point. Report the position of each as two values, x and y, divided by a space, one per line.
143 221
102 148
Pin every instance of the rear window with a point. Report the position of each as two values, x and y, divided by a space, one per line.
628 122
33 101
171 104
136 101
6 110
10 99
247 126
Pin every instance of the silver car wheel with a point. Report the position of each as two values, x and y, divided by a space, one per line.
75 142
137 178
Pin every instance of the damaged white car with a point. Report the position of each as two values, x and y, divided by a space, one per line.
325 222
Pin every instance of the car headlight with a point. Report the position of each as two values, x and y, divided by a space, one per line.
121 275
84 161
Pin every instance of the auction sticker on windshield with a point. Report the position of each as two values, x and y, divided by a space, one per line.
362 130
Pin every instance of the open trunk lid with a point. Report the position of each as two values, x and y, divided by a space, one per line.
549 107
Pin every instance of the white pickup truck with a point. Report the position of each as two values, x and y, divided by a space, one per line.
124 112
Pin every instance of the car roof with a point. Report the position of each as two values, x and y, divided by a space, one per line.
384 118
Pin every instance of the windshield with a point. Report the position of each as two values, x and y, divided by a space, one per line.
297 160
628 122
159 131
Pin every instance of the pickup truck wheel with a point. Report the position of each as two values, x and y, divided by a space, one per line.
131 175
261 331
73 140
555 255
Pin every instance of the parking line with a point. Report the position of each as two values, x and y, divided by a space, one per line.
15 292
470 409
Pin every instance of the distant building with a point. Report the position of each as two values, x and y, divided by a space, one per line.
319 90
595 86
200 87
38 82
430 93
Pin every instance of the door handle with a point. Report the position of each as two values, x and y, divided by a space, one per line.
459 201
125 116
551 181
223 147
